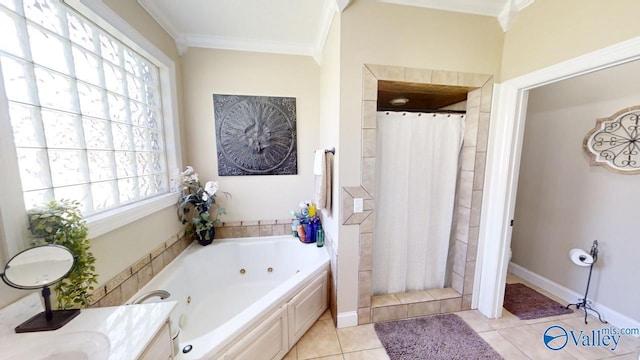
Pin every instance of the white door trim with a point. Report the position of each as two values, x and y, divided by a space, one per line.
503 163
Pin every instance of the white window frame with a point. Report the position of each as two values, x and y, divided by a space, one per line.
13 220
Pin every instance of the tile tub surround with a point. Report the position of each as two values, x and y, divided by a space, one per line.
468 193
121 287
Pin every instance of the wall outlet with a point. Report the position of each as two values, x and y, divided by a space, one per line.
358 205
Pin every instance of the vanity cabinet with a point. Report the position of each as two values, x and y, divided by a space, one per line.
160 347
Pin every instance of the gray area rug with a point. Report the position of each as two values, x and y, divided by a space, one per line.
526 303
444 336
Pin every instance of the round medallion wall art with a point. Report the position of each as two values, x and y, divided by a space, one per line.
255 135
615 142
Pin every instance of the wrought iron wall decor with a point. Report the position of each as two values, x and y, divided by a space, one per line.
255 135
615 142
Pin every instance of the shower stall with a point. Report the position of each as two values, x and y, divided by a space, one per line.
417 169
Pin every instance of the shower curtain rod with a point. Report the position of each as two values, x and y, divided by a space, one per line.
428 111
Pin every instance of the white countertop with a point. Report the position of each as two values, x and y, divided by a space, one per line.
128 328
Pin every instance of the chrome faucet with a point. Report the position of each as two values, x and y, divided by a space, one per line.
162 294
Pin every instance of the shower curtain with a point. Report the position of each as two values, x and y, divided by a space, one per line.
416 171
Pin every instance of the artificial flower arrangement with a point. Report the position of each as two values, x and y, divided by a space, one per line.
194 204
307 226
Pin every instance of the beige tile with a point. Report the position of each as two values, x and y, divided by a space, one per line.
529 341
113 298
118 279
473 99
158 250
129 287
364 316
369 143
465 189
507 320
330 357
626 345
144 275
472 79
502 346
223 232
283 221
483 131
282 229
462 223
231 223
457 282
385 72
384 300
469 273
485 98
374 354
369 174
471 127
478 172
97 294
367 225
265 230
358 338
251 231
369 114
364 289
443 77
413 297
157 264
578 352
476 208
141 263
366 251
472 245
320 340
451 305
466 302
445 293
475 320
468 158
459 257
369 85
292 354
250 222
424 308
413 75
387 313
325 315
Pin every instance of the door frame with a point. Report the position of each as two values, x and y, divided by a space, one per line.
504 151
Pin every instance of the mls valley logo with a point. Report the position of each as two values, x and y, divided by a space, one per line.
557 338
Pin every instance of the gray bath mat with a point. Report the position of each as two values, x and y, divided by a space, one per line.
526 303
434 337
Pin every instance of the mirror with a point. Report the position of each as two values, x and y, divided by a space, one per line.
38 268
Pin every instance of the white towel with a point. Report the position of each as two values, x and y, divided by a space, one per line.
323 183
318 162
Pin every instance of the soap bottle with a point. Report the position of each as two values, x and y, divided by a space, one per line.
320 236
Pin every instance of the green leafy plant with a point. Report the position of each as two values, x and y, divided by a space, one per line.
197 203
61 223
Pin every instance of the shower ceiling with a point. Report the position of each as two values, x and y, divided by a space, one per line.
421 96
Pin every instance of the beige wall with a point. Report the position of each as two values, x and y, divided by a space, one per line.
207 72
563 202
385 34
329 128
551 31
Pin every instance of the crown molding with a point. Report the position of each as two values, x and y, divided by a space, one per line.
449 5
510 11
342 4
328 12
242 44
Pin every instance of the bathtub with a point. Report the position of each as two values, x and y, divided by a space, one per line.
247 298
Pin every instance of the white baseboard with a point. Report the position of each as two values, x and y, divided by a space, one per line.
347 319
569 296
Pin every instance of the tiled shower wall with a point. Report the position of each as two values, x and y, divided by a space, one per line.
470 184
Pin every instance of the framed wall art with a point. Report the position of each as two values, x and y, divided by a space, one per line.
255 135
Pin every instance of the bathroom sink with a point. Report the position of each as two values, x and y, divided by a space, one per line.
82 345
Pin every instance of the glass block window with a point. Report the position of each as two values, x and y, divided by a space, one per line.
85 109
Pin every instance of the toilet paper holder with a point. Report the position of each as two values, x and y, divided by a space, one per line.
583 303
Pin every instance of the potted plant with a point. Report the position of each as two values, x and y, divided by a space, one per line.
61 223
195 203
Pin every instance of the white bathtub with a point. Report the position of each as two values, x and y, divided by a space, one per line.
242 298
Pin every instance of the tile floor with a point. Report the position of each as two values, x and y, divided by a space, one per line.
509 336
